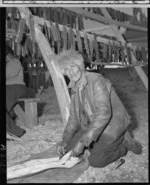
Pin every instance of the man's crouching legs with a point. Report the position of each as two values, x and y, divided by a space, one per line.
104 158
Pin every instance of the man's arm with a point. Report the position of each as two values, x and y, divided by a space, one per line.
102 110
72 124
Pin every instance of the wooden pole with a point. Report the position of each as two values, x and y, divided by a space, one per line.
104 19
97 29
140 39
138 69
50 60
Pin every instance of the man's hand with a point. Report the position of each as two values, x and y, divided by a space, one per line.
83 142
61 148
86 139
78 149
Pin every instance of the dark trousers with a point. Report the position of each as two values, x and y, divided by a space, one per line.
102 154
13 93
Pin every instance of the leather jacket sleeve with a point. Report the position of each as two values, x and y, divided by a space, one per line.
102 109
72 124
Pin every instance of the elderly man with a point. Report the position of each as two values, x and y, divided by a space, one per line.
15 88
98 120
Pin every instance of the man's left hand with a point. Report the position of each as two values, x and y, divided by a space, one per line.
78 149
84 141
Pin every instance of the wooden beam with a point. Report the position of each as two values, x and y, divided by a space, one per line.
97 29
106 20
50 60
31 118
118 64
138 69
138 39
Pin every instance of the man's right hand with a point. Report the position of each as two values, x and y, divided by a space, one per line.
61 148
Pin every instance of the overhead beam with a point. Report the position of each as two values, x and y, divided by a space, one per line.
97 29
138 69
102 19
138 39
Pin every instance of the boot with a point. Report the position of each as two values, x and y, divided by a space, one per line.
131 144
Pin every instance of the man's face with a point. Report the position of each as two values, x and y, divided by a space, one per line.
73 72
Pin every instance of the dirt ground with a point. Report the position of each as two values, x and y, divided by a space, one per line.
50 129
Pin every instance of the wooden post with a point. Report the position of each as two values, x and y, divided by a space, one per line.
31 116
50 60
138 69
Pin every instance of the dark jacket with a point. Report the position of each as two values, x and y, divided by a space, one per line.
106 113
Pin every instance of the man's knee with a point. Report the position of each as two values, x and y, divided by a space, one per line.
97 161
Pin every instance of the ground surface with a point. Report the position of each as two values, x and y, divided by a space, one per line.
50 129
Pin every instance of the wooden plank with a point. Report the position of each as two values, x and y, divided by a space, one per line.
29 99
138 69
37 165
20 113
138 39
97 29
104 19
31 114
50 60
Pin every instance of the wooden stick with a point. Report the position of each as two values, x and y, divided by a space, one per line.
97 29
